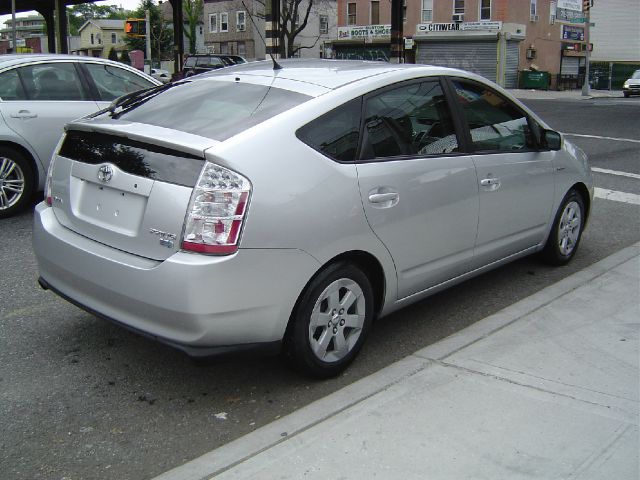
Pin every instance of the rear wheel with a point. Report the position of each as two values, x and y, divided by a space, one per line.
568 224
330 321
16 182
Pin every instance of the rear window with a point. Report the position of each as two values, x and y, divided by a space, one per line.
214 109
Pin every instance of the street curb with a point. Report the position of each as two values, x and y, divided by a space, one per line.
227 456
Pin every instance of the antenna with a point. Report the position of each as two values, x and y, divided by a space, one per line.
276 65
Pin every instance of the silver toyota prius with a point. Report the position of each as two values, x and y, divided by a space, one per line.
284 209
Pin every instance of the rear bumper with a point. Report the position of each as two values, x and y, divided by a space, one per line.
201 304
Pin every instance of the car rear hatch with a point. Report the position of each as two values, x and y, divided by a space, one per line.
127 185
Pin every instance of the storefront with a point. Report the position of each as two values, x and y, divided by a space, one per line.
369 42
490 49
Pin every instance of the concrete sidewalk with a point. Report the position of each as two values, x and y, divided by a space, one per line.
544 389
524 94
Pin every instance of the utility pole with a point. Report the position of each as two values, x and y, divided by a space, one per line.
147 36
14 35
586 11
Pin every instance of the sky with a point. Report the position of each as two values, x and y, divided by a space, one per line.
126 4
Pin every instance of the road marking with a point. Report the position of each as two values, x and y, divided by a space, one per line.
615 172
601 138
607 194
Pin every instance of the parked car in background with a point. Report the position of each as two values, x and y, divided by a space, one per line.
632 85
161 75
200 63
283 210
39 94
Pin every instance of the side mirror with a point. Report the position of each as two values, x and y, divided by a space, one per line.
551 140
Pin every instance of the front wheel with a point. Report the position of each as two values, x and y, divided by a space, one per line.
565 235
16 182
330 321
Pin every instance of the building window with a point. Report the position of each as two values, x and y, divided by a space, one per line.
351 13
240 21
213 23
458 7
427 11
114 38
552 13
534 7
224 47
92 39
485 9
242 49
404 11
224 22
324 24
375 13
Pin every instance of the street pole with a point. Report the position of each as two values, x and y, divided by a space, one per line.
147 35
14 35
585 85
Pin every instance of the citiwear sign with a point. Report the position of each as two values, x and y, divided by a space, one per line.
423 28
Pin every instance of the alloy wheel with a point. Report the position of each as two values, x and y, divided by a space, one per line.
569 228
12 183
337 320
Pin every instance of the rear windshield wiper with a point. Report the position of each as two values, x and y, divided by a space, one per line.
132 100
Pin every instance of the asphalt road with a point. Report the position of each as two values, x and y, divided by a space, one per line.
83 399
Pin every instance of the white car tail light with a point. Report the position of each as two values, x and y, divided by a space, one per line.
216 211
48 196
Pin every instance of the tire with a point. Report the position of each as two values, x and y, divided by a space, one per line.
17 182
566 233
330 321
626 95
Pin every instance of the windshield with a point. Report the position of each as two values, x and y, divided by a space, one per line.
636 74
212 108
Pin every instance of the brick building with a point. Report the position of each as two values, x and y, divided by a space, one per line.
495 38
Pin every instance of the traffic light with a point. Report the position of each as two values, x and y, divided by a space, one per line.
135 27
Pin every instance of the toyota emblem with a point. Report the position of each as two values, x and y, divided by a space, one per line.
105 172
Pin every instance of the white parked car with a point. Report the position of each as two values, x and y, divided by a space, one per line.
161 75
39 94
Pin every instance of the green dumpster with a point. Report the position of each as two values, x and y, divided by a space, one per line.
534 79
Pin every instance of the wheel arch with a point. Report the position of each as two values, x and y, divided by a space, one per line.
366 262
583 191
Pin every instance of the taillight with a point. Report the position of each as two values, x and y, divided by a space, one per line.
48 196
216 211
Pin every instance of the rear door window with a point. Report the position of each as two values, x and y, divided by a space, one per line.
52 81
410 120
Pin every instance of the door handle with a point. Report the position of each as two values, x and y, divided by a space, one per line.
24 114
487 182
383 197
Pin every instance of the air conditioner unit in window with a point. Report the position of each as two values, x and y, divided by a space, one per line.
534 18
458 17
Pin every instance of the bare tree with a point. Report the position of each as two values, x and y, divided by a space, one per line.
293 20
